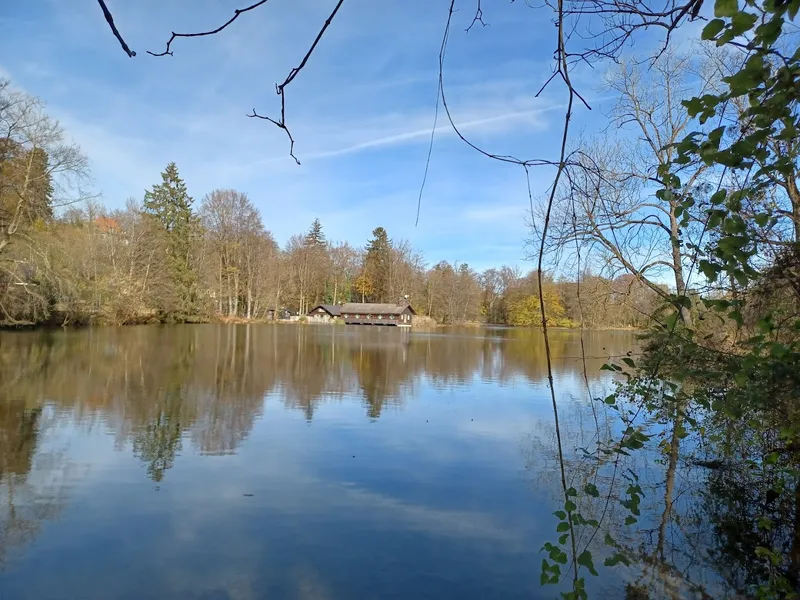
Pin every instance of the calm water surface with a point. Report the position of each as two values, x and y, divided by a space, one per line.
248 462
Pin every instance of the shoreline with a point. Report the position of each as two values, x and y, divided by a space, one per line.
244 321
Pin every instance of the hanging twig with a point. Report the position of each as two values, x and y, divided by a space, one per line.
236 14
478 18
563 67
280 122
430 152
114 30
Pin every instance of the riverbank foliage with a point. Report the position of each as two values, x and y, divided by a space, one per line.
705 189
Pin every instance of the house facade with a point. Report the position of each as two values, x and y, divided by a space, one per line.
325 313
364 313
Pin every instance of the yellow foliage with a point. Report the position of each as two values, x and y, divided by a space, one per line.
524 311
364 286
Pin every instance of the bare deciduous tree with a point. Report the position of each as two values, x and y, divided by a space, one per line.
40 170
616 202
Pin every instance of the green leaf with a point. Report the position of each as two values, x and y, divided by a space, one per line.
794 6
616 559
741 22
545 567
719 197
571 492
629 361
591 490
778 350
570 505
769 32
585 560
560 514
630 520
711 30
694 107
562 527
725 8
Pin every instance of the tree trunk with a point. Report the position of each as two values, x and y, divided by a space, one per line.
674 449
219 297
677 265
794 197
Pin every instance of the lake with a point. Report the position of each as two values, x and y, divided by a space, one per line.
255 461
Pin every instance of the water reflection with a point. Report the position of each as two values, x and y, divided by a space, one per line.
312 448
155 386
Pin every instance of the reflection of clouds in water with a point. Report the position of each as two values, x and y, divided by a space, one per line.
222 522
457 524
290 490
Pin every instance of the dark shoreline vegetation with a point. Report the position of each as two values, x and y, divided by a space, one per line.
694 181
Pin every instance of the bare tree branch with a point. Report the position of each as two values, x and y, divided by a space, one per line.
478 18
621 19
281 121
458 132
235 16
114 30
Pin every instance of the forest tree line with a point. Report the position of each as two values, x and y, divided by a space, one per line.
64 258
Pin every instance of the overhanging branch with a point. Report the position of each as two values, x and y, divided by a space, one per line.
236 14
280 122
110 19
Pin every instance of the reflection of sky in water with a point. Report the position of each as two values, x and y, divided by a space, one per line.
310 462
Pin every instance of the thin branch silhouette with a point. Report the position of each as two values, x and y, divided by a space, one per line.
478 18
236 14
280 122
110 19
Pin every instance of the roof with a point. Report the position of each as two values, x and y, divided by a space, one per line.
107 224
375 309
332 309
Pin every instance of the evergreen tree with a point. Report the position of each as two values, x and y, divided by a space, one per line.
377 262
171 206
315 235
315 251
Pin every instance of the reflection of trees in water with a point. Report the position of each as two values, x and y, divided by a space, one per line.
159 388
24 504
18 435
702 521
750 504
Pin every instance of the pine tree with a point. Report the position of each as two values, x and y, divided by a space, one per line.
316 259
377 262
315 235
171 206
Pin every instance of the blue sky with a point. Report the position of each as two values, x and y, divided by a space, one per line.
361 112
